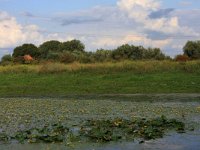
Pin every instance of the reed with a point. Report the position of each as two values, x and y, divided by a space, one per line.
107 67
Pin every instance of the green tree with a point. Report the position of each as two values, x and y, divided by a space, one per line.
154 53
102 55
192 49
49 47
74 45
6 58
128 52
26 49
53 56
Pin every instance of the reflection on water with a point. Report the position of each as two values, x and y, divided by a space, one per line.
189 141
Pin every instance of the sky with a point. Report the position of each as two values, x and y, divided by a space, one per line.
167 24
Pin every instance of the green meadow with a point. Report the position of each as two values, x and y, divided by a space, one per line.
55 80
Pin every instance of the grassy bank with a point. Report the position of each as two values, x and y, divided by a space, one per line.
102 78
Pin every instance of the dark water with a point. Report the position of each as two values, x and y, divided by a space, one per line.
189 141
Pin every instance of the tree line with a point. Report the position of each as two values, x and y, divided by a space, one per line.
74 50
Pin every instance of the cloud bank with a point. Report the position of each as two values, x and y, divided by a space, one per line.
13 33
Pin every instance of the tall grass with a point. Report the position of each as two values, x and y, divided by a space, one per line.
107 67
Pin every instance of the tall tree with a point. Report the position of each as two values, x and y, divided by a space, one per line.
192 49
26 49
49 46
74 45
128 52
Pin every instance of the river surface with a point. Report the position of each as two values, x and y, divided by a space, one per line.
189 141
22 113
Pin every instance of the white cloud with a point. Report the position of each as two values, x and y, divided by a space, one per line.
139 11
10 31
56 36
13 33
136 39
144 4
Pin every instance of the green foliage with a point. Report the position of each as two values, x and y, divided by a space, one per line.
26 49
49 47
154 53
132 52
19 60
4 137
48 134
67 57
100 131
182 58
6 60
121 129
102 55
74 45
53 56
83 57
55 50
128 52
74 50
192 49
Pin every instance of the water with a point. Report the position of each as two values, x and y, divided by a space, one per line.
17 112
189 141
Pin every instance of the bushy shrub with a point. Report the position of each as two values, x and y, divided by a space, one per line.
67 57
84 59
6 60
154 54
102 55
182 58
19 60
128 52
53 56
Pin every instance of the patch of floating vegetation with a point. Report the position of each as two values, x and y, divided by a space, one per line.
121 129
99 131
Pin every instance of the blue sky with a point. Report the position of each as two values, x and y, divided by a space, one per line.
51 6
167 24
